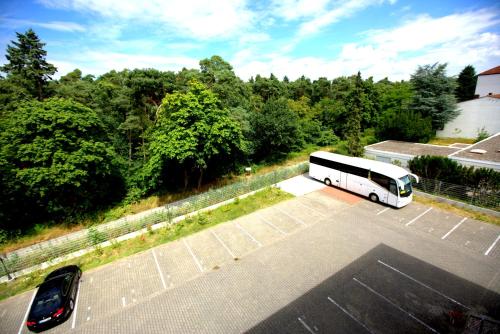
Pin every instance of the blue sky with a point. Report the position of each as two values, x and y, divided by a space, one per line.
315 38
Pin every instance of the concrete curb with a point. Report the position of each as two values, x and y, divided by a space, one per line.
457 203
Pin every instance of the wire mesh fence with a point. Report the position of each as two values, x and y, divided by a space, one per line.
483 196
95 235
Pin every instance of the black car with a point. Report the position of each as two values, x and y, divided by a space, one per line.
55 299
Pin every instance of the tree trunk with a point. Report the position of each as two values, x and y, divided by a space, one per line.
200 178
186 178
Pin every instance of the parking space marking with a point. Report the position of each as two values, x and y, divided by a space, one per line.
350 315
454 228
223 244
306 326
248 234
270 224
492 246
393 304
76 308
422 284
27 311
417 217
123 302
298 221
159 270
309 208
380 212
198 264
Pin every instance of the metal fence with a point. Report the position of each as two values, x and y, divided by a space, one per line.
50 250
486 197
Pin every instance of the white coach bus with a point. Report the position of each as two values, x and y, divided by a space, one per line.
377 180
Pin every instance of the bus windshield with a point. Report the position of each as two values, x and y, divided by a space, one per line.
405 186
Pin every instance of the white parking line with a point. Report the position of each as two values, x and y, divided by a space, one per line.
76 307
396 306
159 270
271 224
248 234
309 208
306 326
417 217
492 246
350 315
298 221
422 284
198 264
27 311
223 244
380 212
454 228
123 302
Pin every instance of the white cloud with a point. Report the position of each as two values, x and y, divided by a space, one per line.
295 9
337 12
458 39
193 18
52 25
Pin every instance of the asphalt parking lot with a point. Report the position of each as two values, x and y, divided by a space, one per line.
322 262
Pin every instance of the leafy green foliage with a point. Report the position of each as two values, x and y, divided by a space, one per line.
353 126
193 132
55 159
405 126
447 170
434 94
26 61
276 130
466 84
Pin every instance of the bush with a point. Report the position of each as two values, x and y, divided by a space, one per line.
406 126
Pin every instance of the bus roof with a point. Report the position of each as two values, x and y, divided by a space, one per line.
373 165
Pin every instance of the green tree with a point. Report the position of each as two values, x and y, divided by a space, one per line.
466 84
434 95
404 125
194 132
354 117
56 162
276 130
26 60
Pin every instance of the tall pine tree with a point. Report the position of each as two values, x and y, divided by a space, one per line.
466 84
27 64
353 126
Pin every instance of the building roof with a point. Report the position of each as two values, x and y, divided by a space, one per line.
487 150
494 70
413 149
491 145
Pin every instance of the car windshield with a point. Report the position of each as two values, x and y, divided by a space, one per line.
405 186
48 300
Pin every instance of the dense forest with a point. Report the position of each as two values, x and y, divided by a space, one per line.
80 143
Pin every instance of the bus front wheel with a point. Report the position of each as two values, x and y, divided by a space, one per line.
373 197
328 182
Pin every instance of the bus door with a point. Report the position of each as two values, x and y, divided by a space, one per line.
343 180
335 177
392 197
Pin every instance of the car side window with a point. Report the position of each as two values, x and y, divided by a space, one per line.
66 284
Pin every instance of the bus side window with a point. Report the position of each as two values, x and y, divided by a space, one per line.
393 188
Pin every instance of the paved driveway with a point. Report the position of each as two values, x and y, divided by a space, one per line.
318 263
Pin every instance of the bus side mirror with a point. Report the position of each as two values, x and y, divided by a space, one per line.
415 177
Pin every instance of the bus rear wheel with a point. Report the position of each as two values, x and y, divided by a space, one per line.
328 182
373 197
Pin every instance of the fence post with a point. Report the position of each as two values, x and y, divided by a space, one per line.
2 256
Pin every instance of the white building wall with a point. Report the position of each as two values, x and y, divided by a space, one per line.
487 84
474 115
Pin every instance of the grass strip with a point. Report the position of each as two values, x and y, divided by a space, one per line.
101 256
